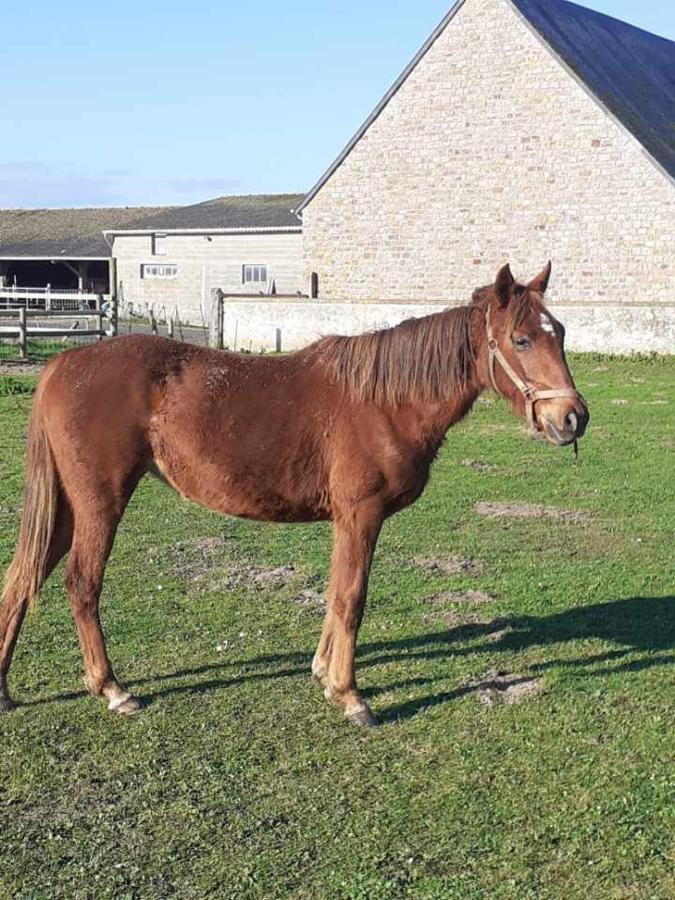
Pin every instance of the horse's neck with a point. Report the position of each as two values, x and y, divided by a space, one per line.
426 424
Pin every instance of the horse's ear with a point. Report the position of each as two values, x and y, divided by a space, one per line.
540 283
503 285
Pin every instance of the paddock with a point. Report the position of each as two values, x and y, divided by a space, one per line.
518 645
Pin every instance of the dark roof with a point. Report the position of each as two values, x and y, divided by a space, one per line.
255 211
69 233
630 71
74 233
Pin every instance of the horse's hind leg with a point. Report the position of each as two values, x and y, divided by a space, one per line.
15 605
92 541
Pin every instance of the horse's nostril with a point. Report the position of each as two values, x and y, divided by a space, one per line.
571 422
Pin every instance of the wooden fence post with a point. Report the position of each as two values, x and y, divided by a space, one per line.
23 336
169 328
217 322
99 317
112 289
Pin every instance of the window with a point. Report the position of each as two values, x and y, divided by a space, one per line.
156 270
254 274
158 244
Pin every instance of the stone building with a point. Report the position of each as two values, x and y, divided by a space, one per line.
523 130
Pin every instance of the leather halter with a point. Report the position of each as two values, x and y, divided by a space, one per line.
530 394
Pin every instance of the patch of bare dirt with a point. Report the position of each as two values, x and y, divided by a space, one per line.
494 629
255 577
478 464
449 565
496 636
193 560
470 597
206 562
311 599
496 687
21 368
495 510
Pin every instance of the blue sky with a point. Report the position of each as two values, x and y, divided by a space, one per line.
174 102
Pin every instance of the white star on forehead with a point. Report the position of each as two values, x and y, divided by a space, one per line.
546 323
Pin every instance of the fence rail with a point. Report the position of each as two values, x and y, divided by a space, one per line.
15 324
48 299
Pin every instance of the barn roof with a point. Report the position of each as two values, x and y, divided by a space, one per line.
253 211
630 72
71 233
78 233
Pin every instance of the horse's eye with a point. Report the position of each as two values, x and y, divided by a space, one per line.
521 342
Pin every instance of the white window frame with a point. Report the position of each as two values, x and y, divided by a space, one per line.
150 271
257 272
159 243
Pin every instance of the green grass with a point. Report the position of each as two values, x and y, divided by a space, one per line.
238 780
37 350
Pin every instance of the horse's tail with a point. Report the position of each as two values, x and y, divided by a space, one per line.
27 571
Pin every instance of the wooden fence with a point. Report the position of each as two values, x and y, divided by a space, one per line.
16 324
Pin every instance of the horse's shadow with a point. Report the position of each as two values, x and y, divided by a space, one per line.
642 628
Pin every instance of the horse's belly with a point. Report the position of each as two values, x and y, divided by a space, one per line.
249 490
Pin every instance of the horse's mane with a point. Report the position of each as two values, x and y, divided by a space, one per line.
426 359
420 360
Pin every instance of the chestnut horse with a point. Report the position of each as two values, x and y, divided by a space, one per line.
345 430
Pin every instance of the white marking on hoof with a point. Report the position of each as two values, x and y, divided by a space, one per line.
117 701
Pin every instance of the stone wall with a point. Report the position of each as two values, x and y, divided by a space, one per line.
492 151
282 325
204 261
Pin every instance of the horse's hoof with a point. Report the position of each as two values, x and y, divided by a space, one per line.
362 716
126 707
6 705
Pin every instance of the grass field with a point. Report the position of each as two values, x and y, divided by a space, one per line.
238 779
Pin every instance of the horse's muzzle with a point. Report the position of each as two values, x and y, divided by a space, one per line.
571 428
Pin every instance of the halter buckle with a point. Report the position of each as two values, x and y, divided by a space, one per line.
530 393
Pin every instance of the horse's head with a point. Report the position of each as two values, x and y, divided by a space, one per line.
524 359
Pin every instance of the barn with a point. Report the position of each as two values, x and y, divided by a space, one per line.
172 258
166 258
523 130
60 248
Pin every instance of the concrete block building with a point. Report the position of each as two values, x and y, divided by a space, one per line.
171 259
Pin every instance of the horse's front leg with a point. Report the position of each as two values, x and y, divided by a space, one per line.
355 534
